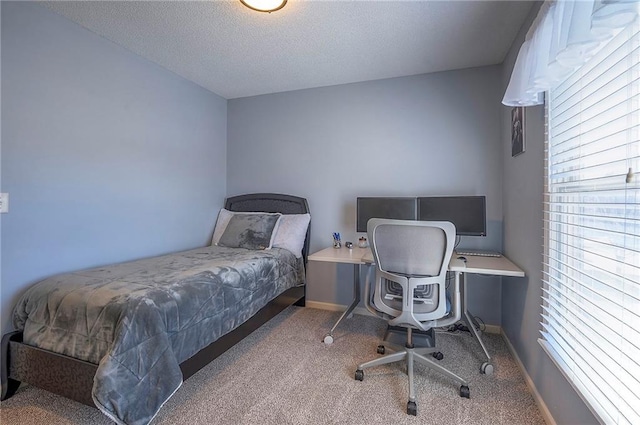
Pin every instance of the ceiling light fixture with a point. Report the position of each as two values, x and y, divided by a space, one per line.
264 5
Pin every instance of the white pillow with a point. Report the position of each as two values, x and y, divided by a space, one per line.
224 217
291 232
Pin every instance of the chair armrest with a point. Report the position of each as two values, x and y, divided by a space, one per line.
368 293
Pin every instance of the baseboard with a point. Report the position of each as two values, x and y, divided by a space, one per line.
492 329
336 307
546 414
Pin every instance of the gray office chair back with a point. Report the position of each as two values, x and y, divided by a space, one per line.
410 248
411 260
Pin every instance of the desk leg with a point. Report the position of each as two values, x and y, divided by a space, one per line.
471 323
328 339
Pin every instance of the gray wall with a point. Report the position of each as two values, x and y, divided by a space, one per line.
523 238
436 134
106 156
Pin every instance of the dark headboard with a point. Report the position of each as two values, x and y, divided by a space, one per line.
272 202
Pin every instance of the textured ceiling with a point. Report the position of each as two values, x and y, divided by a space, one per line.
236 52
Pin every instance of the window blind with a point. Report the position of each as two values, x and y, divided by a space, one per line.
591 277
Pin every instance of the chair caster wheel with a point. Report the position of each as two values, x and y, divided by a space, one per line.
438 355
464 391
486 368
328 339
359 375
380 349
412 408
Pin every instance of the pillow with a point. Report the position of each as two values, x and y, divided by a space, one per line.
223 220
250 231
291 232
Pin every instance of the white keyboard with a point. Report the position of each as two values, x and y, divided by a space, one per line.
479 253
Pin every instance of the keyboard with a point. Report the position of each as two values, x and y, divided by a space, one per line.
475 253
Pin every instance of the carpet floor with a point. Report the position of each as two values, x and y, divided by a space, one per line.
284 374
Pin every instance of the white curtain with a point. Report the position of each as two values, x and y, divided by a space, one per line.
564 36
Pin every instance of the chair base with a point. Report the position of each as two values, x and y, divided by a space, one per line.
412 355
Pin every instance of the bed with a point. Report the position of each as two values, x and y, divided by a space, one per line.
124 337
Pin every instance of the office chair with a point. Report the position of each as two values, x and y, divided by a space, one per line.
412 255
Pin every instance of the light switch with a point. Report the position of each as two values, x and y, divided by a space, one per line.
4 202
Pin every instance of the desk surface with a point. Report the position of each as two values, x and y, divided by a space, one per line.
354 255
497 266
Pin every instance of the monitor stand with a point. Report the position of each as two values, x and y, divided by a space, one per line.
397 335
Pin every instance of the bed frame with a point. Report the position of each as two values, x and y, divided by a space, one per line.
73 378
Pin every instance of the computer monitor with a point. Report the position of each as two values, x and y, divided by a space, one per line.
467 213
379 207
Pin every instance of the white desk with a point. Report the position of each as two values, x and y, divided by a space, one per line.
353 256
497 266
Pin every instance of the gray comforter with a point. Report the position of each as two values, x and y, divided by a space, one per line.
139 320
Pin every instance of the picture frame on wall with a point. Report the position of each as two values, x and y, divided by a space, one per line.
517 131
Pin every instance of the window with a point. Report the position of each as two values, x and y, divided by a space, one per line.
591 290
